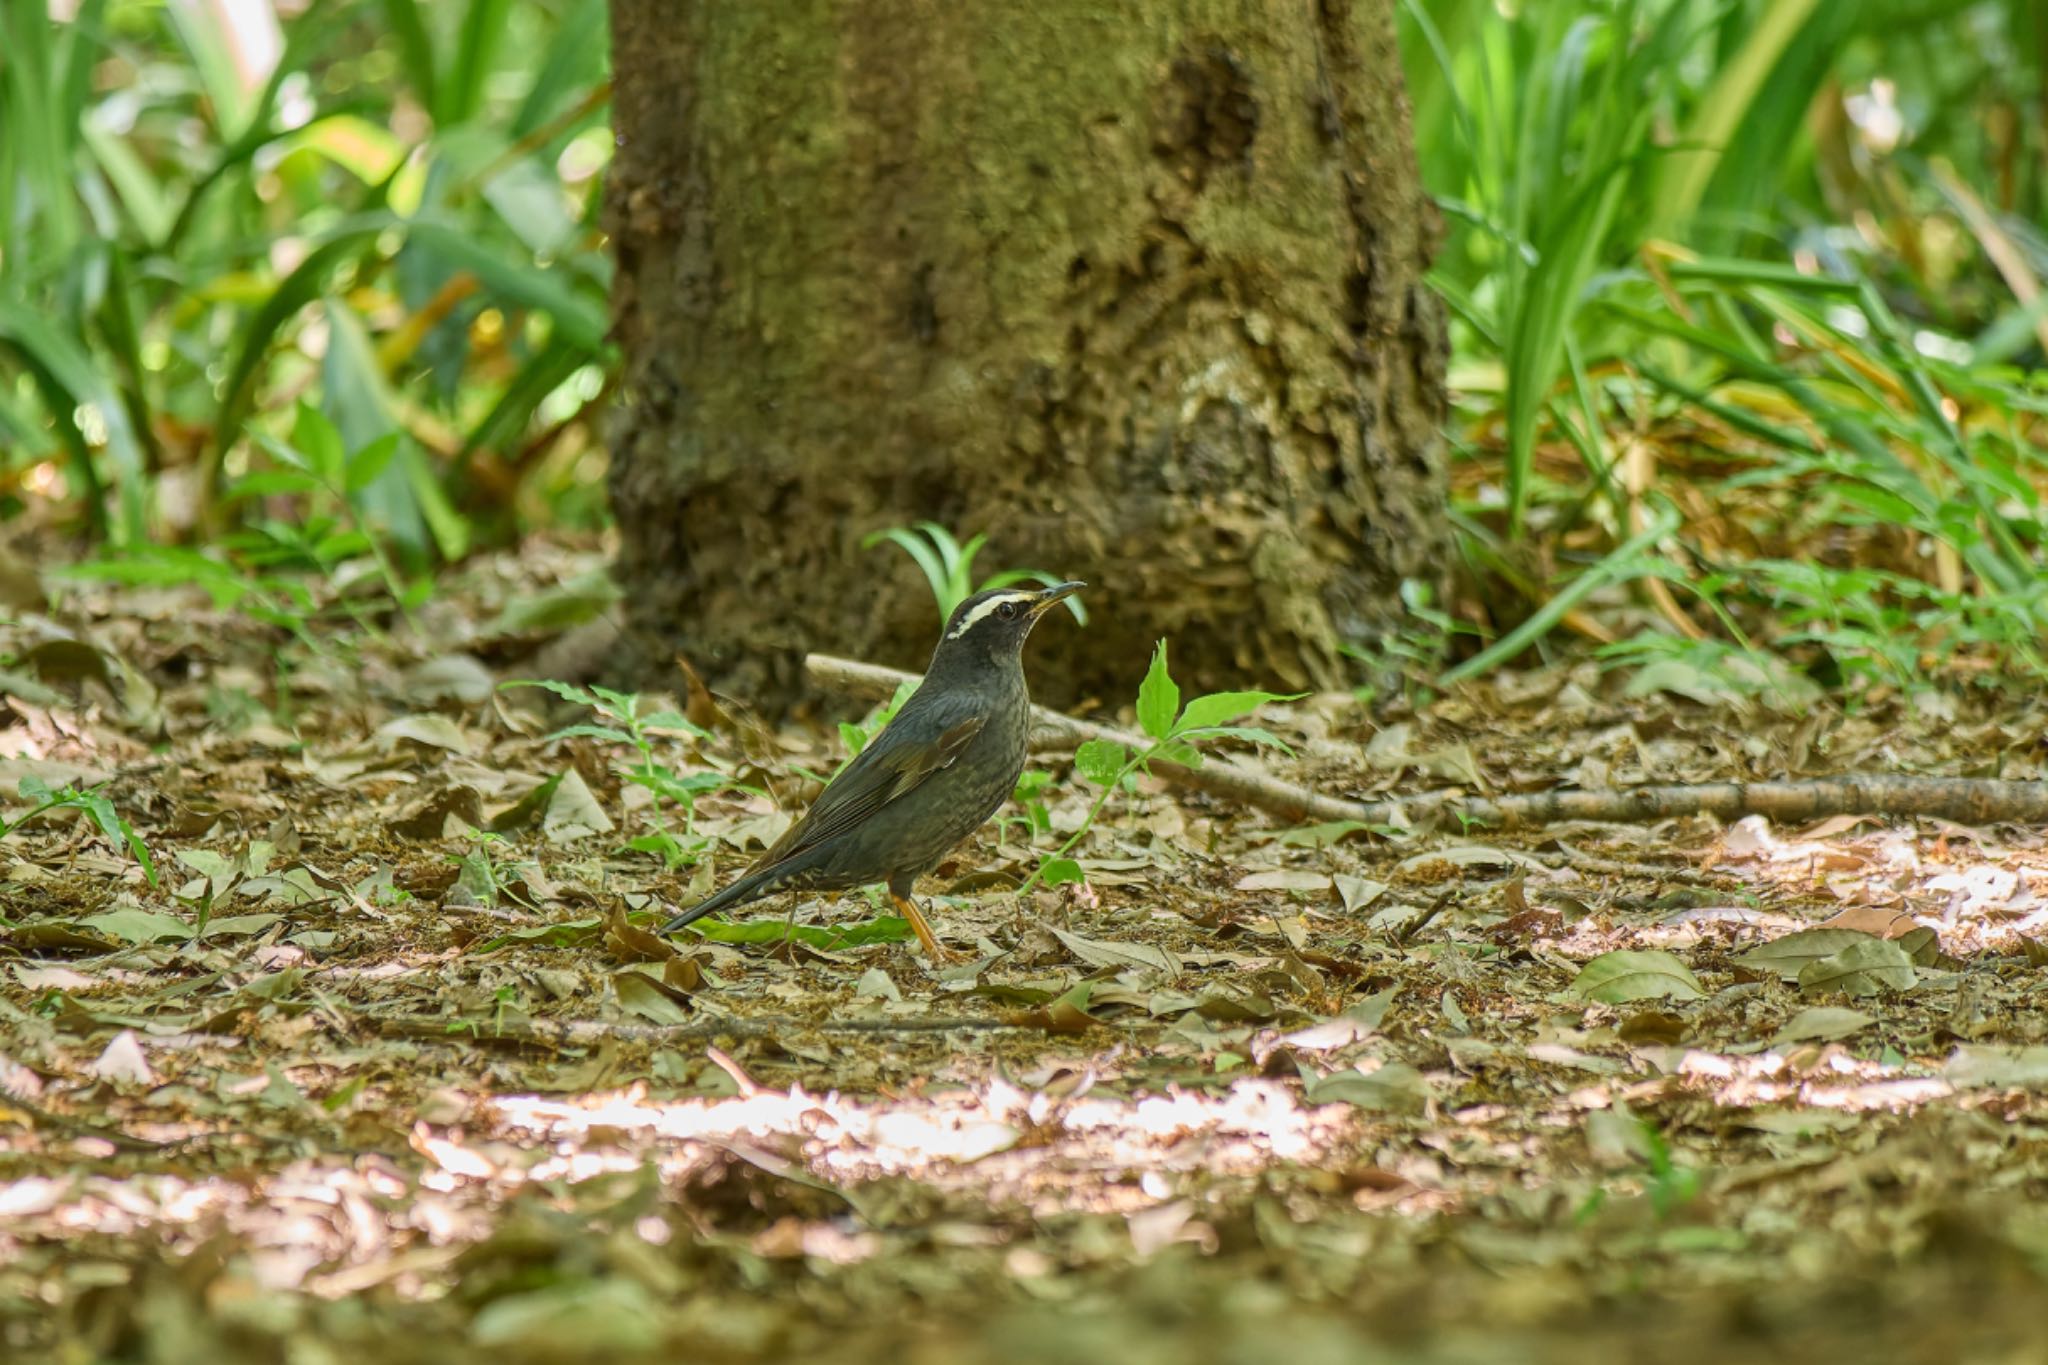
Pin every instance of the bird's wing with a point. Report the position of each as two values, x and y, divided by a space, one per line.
885 770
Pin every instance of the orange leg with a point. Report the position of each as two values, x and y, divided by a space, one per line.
933 949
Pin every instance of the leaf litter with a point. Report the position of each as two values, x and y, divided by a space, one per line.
393 1031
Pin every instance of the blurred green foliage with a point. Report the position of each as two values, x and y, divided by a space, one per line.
212 213
1794 244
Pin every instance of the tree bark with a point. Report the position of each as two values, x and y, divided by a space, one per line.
1134 289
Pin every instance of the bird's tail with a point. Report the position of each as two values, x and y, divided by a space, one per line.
745 889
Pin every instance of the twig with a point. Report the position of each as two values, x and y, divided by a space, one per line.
1567 856
586 1032
1965 800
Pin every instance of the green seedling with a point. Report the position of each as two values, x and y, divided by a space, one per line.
94 803
623 723
1173 732
948 566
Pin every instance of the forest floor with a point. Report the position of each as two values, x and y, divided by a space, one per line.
354 1080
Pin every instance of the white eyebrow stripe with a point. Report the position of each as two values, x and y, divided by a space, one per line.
1020 598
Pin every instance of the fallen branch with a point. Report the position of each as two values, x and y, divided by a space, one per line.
1964 800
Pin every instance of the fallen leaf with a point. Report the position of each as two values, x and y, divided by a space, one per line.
1470 855
240 926
2001 1066
1098 952
627 940
651 999
53 978
1790 955
1865 967
1650 974
430 819
430 731
878 984
1284 879
1388 749
573 813
1395 1088
1372 1009
579 1319
1323 835
61 661
460 678
1800 1122
1357 892
1822 1024
123 1061
1331 1033
1155 1229
1882 921
133 924
1651 1026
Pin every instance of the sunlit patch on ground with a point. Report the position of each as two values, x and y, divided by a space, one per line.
1322 1079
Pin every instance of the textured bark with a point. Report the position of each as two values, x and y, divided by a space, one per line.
1135 289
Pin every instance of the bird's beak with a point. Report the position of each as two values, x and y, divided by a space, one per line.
1052 596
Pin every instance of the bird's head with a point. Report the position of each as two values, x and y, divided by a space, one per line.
993 625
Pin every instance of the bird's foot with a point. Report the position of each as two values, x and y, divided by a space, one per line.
938 952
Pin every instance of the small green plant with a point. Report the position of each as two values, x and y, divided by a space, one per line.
949 566
271 598
320 519
1173 731
1410 657
95 804
1669 1184
331 486
627 726
484 879
1030 794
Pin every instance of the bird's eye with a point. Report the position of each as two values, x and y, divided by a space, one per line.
1007 610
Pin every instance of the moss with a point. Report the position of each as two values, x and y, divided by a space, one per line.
983 264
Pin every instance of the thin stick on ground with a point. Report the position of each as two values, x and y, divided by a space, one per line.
1964 800
560 1033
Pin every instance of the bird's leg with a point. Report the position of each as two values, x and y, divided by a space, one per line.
933 949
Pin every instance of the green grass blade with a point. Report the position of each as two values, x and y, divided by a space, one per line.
1727 101
579 317
295 291
415 47
476 51
576 59
1617 565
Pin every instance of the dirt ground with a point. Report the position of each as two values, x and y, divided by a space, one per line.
355 1077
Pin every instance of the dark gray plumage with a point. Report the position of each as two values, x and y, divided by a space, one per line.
941 767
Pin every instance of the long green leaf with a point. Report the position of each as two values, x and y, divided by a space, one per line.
1726 103
581 319
476 52
415 47
1621 562
71 381
295 291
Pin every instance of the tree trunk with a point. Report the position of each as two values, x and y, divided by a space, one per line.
1135 289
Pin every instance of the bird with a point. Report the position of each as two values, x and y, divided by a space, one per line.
941 767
